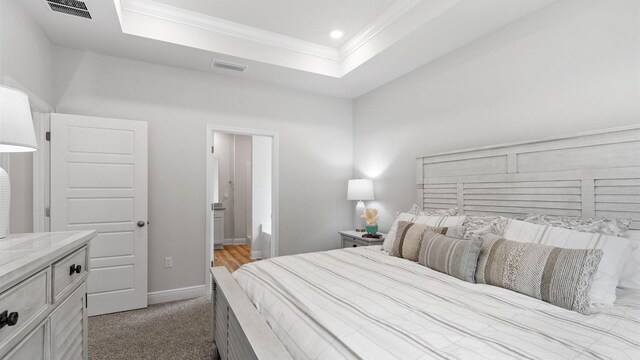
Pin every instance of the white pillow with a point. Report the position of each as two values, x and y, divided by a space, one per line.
615 253
431 220
630 277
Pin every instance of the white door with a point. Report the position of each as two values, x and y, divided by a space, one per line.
99 182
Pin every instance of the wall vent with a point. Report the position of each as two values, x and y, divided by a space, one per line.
229 65
70 7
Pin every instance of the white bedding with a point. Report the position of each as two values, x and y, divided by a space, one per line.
360 303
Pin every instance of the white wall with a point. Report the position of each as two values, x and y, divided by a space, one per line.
26 55
315 150
261 174
573 66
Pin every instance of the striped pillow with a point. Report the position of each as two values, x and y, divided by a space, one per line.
555 275
616 253
451 256
408 238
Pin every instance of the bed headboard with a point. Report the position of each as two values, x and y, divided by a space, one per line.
588 174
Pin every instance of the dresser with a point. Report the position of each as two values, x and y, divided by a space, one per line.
355 239
43 287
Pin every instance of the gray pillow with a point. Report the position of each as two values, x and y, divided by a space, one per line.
455 257
478 226
613 227
555 275
409 237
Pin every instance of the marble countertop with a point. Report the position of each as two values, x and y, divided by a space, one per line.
26 253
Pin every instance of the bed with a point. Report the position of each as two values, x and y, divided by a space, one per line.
364 304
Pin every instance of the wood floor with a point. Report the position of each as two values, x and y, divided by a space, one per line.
232 256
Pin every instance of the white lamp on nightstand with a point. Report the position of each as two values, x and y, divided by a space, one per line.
16 135
360 190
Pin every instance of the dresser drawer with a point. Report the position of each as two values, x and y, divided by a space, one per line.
33 347
68 271
22 303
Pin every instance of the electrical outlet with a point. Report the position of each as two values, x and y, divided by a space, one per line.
168 262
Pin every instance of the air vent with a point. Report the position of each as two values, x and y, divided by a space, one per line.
229 66
70 7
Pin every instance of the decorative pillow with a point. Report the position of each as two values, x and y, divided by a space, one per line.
555 275
616 252
478 226
416 210
436 221
439 220
630 277
387 244
451 256
613 227
409 238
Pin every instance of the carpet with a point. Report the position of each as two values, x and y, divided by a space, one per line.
176 330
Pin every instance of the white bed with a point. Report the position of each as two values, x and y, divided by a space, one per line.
361 303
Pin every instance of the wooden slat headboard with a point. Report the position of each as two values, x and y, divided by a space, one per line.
587 174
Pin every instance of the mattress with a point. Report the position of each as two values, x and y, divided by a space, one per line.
360 303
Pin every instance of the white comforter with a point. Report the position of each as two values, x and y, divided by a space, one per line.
360 303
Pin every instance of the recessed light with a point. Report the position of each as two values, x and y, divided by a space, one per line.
336 34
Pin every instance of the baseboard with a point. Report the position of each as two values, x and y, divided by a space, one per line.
256 254
159 297
240 241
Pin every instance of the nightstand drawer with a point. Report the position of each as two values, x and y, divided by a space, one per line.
348 242
67 271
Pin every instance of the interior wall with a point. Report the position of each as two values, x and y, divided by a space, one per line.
315 150
573 66
242 187
224 148
261 173
26 56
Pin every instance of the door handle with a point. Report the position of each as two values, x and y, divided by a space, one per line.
140 223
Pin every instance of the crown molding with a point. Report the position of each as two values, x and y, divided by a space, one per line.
386 18
211 23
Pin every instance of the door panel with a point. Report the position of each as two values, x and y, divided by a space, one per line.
99 182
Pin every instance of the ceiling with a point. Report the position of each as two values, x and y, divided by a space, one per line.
284 42
306 20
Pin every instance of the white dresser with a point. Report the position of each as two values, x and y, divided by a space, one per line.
43 313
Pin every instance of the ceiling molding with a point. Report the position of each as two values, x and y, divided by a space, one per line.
212 23
386 18
191 18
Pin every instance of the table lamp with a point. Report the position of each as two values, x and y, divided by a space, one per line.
16 135
360 190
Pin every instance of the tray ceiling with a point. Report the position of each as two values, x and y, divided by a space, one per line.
306 20
384 39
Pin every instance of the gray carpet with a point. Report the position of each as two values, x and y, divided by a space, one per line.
177 330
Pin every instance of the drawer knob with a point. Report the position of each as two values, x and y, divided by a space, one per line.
354 245
12 319
8 319
75 269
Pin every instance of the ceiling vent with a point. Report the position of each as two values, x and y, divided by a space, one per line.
70 7
229 66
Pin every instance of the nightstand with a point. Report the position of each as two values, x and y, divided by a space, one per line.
355 239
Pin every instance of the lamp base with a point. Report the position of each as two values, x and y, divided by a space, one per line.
358 222
5 203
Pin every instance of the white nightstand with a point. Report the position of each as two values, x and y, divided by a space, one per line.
355 239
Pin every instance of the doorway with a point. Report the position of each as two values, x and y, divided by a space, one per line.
242 175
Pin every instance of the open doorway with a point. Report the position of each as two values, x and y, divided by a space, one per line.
241 196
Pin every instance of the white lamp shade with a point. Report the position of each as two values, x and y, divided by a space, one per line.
360 189
16 125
